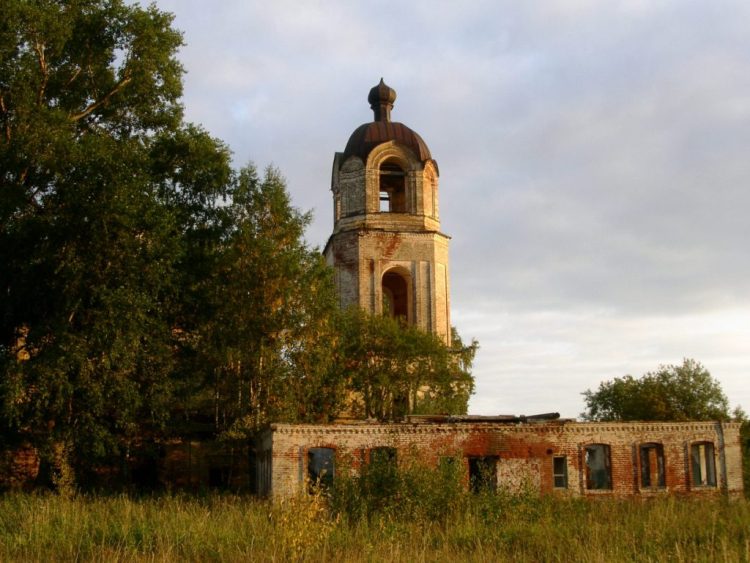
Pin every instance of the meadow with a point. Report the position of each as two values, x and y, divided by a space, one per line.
484 527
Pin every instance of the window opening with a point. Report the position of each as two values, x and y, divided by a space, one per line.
598 468
219 477
392 188
385 202
482 473
321 466
652 466
450 471
395 296
383 455
702 461
381 474
560 472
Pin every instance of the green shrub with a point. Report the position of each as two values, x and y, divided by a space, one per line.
382 488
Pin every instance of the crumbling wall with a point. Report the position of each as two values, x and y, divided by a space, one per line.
18 467
196 464
525 453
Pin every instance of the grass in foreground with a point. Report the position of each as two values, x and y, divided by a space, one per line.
484 528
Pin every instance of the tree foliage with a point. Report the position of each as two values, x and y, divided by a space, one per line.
396 369
147 285
91 220
272 299
680 393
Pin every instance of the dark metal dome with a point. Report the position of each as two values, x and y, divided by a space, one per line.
369 135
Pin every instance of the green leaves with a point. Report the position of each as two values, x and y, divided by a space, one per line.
272 301
143 281
396 369
90 243
680 393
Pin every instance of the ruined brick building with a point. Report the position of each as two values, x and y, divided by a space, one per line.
390 257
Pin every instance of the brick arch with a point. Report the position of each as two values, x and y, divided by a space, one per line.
396 290
392 187
393 151
380 167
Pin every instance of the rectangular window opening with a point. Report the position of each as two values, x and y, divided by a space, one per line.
321 466
703 465
598 467
383 456
652 466
483 473
560 472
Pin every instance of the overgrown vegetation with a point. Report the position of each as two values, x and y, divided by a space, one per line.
478 528
384 512
673 392
147 288
396 369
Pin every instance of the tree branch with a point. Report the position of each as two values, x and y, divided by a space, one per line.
72 78
7 122
39 48
92 107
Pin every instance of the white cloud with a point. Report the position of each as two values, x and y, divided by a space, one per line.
593 160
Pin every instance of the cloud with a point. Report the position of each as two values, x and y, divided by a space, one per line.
593 160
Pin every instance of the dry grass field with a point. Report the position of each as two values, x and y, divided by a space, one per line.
491 527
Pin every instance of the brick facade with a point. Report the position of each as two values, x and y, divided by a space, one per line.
18 467
524 453
195 464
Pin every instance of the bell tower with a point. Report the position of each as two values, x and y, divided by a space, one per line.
386 249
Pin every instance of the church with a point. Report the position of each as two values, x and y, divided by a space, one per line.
390 257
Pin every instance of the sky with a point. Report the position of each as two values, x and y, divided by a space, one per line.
594 165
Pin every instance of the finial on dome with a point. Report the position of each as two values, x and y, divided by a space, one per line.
381 100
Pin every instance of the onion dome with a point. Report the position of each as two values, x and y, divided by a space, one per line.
381 100
382 130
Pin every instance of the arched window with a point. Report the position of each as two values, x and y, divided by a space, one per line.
392 188
395 296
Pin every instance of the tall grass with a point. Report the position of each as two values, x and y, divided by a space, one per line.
484 527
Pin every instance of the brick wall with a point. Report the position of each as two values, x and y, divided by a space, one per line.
525 452
195 464
18 467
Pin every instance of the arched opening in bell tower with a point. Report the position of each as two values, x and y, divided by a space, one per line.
395 291
392 188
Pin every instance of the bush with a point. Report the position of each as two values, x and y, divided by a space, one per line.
411 490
